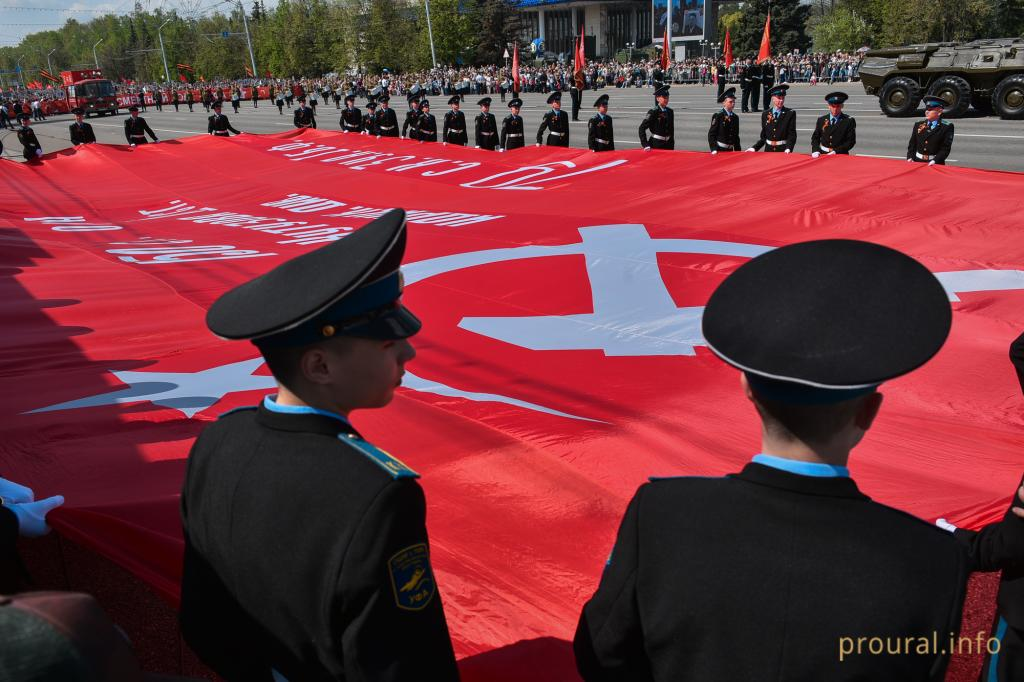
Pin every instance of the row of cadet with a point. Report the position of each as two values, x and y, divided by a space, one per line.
835 132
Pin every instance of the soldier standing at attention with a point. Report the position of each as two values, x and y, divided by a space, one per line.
659 122
600 134
175 99
576 93
412 117
746 83
835 132
218 124
427 126
351 117
767 81
778 125
190 99
385 120
794 557
454 130
931 140
513 128
136 128
306 549
30 147
486 136
556 123
81 132
755 85
370 118
303 116
724 133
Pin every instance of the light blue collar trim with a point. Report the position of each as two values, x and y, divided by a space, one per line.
793 466
270 402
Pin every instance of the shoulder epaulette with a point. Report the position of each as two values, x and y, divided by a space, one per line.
237 409
385 461
946 123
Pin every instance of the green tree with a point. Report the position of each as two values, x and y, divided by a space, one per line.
841 29
788 29
496 24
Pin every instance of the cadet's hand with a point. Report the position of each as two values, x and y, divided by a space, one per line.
500 149
910 161
378 137
344 131
32 516
832 153
945 525
815 155
39 152
788 151
131 144
647 149
538 144
931 163
476 146
444 144
15 492
715 151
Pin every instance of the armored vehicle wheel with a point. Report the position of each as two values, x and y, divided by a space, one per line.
1008 97
956 91
899 97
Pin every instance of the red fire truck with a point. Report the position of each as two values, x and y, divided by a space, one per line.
91 91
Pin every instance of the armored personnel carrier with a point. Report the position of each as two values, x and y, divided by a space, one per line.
985 74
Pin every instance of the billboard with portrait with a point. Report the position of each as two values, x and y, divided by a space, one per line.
687 19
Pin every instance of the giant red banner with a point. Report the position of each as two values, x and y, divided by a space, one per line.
561 361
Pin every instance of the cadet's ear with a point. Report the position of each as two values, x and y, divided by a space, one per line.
314 365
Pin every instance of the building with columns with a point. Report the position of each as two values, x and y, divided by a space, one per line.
608 25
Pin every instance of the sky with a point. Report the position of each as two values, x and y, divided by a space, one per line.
18 18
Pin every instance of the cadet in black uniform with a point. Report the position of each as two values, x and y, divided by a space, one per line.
175 99
755 84
427 126
835 132
454 129
556 123
304 117
81 132
30 146
513 128
306 549
412 117
746 83
778 125
190 99
136 128
385 120
370 118
218 124
764 574
724 133
767 70
600 134
660 123
351 117
576 94
931 140
486 127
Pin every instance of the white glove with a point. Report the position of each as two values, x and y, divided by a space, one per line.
32 515
15 492
476 146
500 149
345 132
815 155
910 161
750 149
714 152
832 153
945 525
444 144
378 137
931 163
788 151
647 149
39 152
538 144
131 144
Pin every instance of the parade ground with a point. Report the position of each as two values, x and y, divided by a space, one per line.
980 142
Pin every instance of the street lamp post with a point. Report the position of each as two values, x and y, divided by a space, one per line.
430 34
49 66
22 73
630 46
248 39
94 57
163 53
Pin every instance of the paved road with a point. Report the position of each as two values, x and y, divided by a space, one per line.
981 142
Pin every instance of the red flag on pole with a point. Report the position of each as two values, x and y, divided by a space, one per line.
581 56
766 51
516 83
727 52
664 51
248 72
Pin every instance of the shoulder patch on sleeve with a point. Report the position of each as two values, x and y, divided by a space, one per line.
237 409
385 461
412 579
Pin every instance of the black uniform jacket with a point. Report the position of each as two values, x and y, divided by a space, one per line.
661 125
81 133
839 137
454 130
369 125
219 125
601 133
724 133
386 122
781 128
136 129
306 551
351 120
513 134
486 132
427 128
304 118
556 122
756 576
412 119
930 144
